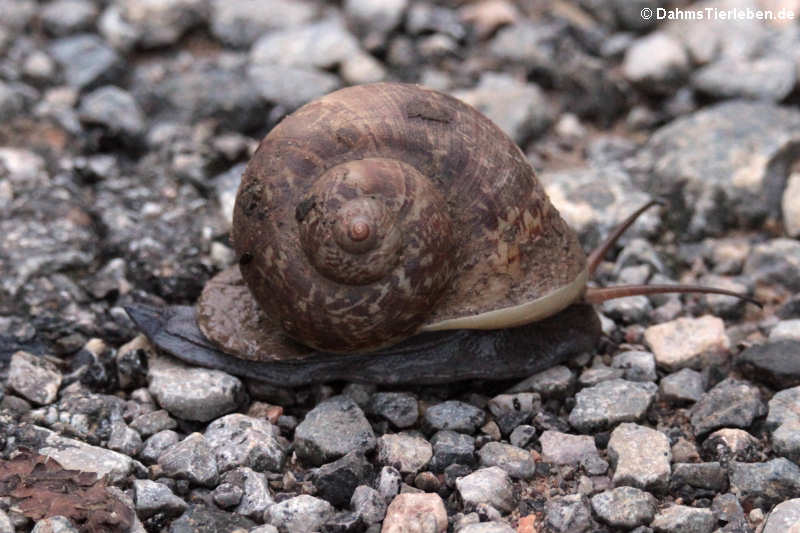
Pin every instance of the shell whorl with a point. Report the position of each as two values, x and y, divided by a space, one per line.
379 209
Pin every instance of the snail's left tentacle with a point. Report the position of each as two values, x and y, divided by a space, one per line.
596 295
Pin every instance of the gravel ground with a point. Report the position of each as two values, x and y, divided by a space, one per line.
124 128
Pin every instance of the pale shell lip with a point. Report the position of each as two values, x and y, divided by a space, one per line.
518 315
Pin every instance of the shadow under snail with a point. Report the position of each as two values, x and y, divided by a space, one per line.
389 233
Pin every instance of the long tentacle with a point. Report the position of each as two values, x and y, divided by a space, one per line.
596 295
598 253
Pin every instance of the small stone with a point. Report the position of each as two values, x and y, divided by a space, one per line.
520 109
517 462
490 485
159 22
155 445
252 489
54 524
731 444
301 514
731 403
336 481
785 517
86 60
786 330
511 410
684 342
791 207
376 16
522 436
408 453
683 386
783 420
710 476
62 17
657 62
568 514
240 440
399 408
323 45
454 415
638 365
625 507
290 86
764 484
369 504
684 451
551 383
389 481
193 393
123 439
5 523
775 262
332 429
495 526
73 454
726 508
191 459
227 495
597 374
565 449
34 378
416 512
151 423
450 448
362 68
682 518
765 78
114 110
152 498
240 23
611 402
200 518
640 456
775 363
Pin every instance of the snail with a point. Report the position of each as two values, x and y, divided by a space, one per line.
389 233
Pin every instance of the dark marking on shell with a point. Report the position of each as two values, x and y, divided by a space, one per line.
304 207
427 110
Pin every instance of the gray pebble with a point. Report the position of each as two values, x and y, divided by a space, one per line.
683 386
291 86
399 408
730 443
687 342
123 439
115 110
567 514
336 481
376 18
254 491
599 373
152 498
388 483
301 514
54 524
786 330
193 393
406 452
522 436
774 362
765 78
731 403
322 44
726 508
488 527
369 504
162 22
73 454
624 507
62 17
638 365
155 445
332 429
34 378
454 415
490 485
191 459
517 462
240 23
450 447
5 523
784 517
551 383
227 495
565 449
764 484
640 456
241 440
611 402
681 518
657 62
783 420
86 60
710 476
153 422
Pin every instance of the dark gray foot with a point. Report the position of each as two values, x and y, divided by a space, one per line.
436 357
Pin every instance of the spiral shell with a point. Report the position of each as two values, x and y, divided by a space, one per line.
382 210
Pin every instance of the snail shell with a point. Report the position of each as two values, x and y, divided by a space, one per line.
381 211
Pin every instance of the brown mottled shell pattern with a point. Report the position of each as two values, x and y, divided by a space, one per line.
378 209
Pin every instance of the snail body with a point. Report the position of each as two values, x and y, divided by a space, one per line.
390 233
